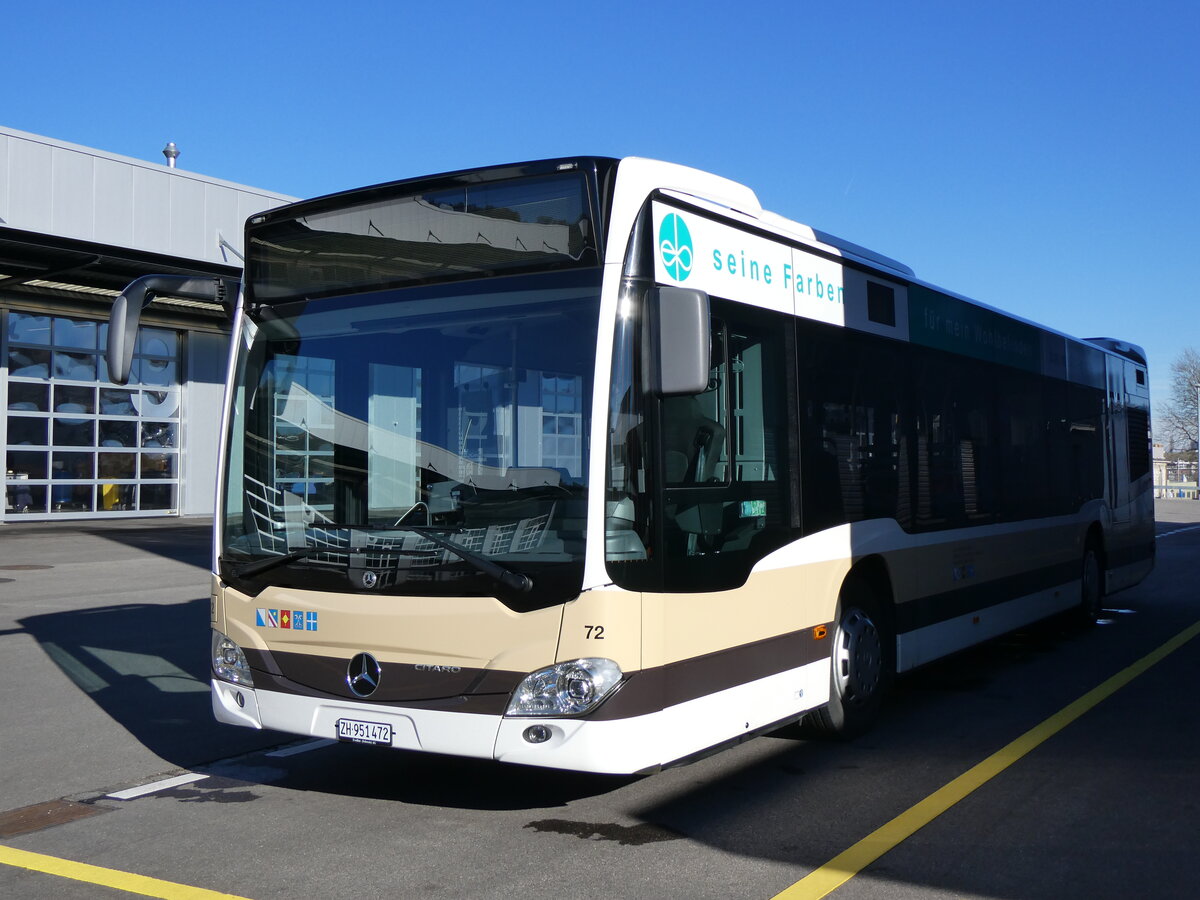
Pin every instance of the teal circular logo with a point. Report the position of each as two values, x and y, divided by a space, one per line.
675 245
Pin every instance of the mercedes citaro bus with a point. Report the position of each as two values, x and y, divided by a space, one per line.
595 464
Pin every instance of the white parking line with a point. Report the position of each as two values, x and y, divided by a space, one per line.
301 748
154 787
1177 531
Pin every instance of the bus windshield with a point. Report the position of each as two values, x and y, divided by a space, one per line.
390 441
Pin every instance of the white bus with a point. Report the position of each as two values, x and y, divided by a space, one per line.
597 465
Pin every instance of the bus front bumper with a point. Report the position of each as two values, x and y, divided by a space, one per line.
623 746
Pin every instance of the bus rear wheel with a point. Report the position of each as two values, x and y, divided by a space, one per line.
861 670
1091 590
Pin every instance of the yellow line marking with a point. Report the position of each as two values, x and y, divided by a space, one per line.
122 881
848 863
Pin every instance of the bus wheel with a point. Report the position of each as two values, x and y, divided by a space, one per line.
1091 591
861 666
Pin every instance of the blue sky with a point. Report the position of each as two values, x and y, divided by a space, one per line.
1038 156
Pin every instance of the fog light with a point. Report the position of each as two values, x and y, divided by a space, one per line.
536 734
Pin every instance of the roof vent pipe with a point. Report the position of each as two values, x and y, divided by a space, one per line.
171 152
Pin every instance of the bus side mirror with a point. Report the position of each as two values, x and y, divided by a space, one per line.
678 341
127 312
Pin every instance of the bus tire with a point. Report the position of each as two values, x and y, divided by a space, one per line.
1091 586
862 660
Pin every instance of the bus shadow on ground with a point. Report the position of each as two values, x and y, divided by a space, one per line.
422 779
187 544
802 801
146 666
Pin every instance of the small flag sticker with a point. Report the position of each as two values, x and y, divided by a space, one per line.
294 619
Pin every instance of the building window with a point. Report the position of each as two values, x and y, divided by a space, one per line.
77 443
562 422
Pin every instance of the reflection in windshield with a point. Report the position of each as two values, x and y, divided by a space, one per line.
401 237
463 416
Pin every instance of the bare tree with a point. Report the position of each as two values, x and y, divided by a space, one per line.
1175 419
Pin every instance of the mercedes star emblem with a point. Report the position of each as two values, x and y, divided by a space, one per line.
369 580
362 675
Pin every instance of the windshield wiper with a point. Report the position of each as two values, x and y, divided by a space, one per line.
515 581
249 570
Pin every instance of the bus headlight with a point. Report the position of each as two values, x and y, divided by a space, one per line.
567 689
229 662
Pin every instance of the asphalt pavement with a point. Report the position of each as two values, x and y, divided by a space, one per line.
104 688
104 655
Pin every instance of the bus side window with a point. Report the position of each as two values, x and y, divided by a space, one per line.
854 429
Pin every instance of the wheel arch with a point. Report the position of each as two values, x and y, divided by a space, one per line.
873 573
1094 537
865 600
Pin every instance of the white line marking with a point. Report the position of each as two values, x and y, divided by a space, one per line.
301 748
154 787
1178 531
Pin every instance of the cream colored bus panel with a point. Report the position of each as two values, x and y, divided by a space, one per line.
604 623
476 632
772 603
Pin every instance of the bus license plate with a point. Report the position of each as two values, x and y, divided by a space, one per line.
360 732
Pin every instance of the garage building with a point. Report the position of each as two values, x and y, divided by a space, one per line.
76 226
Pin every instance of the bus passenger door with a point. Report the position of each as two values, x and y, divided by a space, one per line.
1116 443
723 464
722 460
